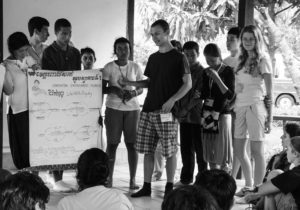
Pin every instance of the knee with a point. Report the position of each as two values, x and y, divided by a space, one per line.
111 149
130 146
274 173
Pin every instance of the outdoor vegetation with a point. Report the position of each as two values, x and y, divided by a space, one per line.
207 21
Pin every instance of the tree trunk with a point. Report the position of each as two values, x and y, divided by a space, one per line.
292 64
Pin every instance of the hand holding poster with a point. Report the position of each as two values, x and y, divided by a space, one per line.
64 107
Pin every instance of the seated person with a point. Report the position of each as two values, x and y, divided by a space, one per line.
189 197
282 189
220 184
4 174
23 191
92 174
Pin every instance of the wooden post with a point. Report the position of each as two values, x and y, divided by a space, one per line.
130 25
1 98
246 13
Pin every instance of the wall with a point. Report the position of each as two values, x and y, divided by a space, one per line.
95 23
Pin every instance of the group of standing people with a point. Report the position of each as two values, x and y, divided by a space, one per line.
219 108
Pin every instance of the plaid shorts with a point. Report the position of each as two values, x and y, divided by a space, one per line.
151 130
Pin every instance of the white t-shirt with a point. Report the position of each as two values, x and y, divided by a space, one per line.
18 100
250 90
112 73
231 61
95 198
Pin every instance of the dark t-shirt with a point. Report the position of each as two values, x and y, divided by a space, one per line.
54 58
165 71
221 101
289 182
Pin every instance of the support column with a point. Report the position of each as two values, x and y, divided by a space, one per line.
246 13
130 25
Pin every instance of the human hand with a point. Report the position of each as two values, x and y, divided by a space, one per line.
213 74
249 197
129 94
268 126
117 91
166 107
35 67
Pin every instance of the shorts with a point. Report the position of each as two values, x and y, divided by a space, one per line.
250 119
151 130
117 121
285 201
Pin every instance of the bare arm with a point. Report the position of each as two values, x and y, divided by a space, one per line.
269 88
8 85
266 188
138 84
186 86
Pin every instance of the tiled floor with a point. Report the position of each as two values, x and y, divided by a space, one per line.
121 183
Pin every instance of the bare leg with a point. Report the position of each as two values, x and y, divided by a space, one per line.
240 151
257 151
171 167
132 161
111 152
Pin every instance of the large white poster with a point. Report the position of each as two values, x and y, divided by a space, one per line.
63 113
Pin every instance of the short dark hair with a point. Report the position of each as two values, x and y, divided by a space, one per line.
23 190
162 23
235 31
92 168
121 40
191 45
189 197
213 50
87 50
295 143
36 23
15 41
4 174
61 23
177 45
220 184
293 129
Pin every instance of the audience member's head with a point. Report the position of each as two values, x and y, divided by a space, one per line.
92 168
18 44
189 197
23 191
290 130
88 58
294 148
4 174
191 51
38 26
220 184
177 45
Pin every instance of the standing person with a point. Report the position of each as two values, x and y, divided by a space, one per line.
38 31
15 86
60 56
169 79
88 58
218 90
190 124
159 161
232 44
122 107
252 74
